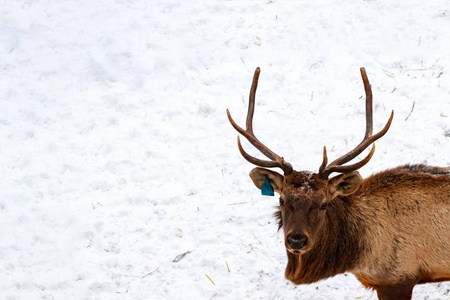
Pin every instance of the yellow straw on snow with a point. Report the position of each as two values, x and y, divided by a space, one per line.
210 279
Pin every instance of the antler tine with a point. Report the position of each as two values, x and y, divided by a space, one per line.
275 160
251 102
368 90
344 169
256 161
336 166
324 162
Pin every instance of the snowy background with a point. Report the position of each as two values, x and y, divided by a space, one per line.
116 155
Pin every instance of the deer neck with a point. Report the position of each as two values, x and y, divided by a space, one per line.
338 248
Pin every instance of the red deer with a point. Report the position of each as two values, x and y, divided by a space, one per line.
391 230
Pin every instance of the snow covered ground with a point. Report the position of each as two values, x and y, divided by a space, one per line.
116 155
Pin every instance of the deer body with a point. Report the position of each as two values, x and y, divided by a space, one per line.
409 222
391 230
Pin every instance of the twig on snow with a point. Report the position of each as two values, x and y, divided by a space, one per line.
179 257
414 102
238 203
151 273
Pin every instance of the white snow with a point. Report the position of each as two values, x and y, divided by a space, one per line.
117 156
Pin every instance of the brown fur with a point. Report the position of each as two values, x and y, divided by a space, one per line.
392 233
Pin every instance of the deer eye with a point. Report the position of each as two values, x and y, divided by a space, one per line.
281 202
324 206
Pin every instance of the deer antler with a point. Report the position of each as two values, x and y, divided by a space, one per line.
275 160
337 165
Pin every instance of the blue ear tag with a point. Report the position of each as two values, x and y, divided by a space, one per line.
266 188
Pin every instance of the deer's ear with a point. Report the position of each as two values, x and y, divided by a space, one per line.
276 180
344 184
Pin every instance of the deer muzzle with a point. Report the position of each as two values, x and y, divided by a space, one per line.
297 242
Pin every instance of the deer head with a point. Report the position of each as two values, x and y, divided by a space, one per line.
304 195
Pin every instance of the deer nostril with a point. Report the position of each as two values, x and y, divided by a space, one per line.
297 241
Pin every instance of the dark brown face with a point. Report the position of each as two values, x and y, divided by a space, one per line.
303 204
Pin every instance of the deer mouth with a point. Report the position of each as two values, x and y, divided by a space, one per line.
298 252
